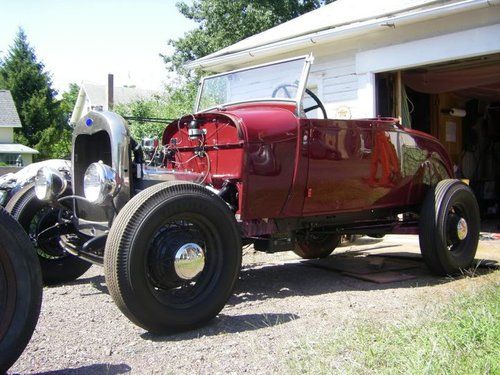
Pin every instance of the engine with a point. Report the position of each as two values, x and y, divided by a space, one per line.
207 149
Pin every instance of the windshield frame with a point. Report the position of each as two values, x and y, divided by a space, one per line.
308 60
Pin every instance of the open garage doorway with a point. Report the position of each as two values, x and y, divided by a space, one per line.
458 102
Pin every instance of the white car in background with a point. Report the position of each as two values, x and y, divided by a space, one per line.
11 183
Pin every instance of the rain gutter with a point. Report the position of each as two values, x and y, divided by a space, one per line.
340 33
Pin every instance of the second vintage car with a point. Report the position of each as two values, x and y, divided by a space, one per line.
250 165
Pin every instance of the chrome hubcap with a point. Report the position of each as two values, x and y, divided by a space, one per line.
189 261
462 229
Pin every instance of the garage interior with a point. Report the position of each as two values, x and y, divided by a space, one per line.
458 102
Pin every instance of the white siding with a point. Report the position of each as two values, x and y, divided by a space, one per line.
27 159
343 92
87 107
6 135
244 86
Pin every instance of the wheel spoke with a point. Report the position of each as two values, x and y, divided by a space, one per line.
173 239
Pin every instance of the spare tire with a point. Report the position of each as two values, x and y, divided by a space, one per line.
20 290
311 245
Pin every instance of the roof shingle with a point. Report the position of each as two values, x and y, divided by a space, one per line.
122 95
8 113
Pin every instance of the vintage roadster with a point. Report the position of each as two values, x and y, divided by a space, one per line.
250 165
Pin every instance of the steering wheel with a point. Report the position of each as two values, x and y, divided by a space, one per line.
318 104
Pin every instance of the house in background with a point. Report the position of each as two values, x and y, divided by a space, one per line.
102 97
12 153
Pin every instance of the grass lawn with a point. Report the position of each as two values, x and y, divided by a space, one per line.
461 338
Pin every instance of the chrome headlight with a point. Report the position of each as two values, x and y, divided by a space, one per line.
3 197
49 183
100 182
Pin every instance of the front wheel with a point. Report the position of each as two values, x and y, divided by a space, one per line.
172 257
449 227
35 216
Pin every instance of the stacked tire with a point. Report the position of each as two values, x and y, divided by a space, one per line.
20 290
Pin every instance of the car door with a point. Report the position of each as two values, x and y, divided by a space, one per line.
353 165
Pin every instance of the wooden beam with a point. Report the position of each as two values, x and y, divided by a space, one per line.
398 97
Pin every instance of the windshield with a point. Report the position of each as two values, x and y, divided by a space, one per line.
282 80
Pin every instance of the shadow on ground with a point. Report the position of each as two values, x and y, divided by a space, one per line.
97 282
304 278
258 282
365 240
227 324
96 369
263 282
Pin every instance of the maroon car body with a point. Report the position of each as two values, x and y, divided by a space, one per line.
286 167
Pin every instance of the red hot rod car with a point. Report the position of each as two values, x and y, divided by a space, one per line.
250 165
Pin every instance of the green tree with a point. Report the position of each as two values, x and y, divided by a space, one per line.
67 104
55 141
222 23
177 101
31 87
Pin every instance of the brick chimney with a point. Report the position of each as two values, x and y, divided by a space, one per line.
110 93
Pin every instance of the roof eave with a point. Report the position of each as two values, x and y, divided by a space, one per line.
20 151
338 33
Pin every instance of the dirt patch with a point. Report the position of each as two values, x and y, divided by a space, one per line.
278 301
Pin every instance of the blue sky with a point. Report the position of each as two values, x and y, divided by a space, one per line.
87 39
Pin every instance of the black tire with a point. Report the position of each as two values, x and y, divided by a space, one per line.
348 239
20 290
443 208
142 243
310 245
34 216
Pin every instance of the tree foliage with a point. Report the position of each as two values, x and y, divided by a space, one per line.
176 102
55 141
31 88
67 103
222 23
44 118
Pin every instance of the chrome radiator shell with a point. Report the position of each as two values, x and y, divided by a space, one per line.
93 135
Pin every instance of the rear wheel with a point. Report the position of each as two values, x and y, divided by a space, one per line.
310 245
172 257
20 290
348 239
449 227
35 216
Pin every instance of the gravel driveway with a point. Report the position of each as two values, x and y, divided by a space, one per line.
278 302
